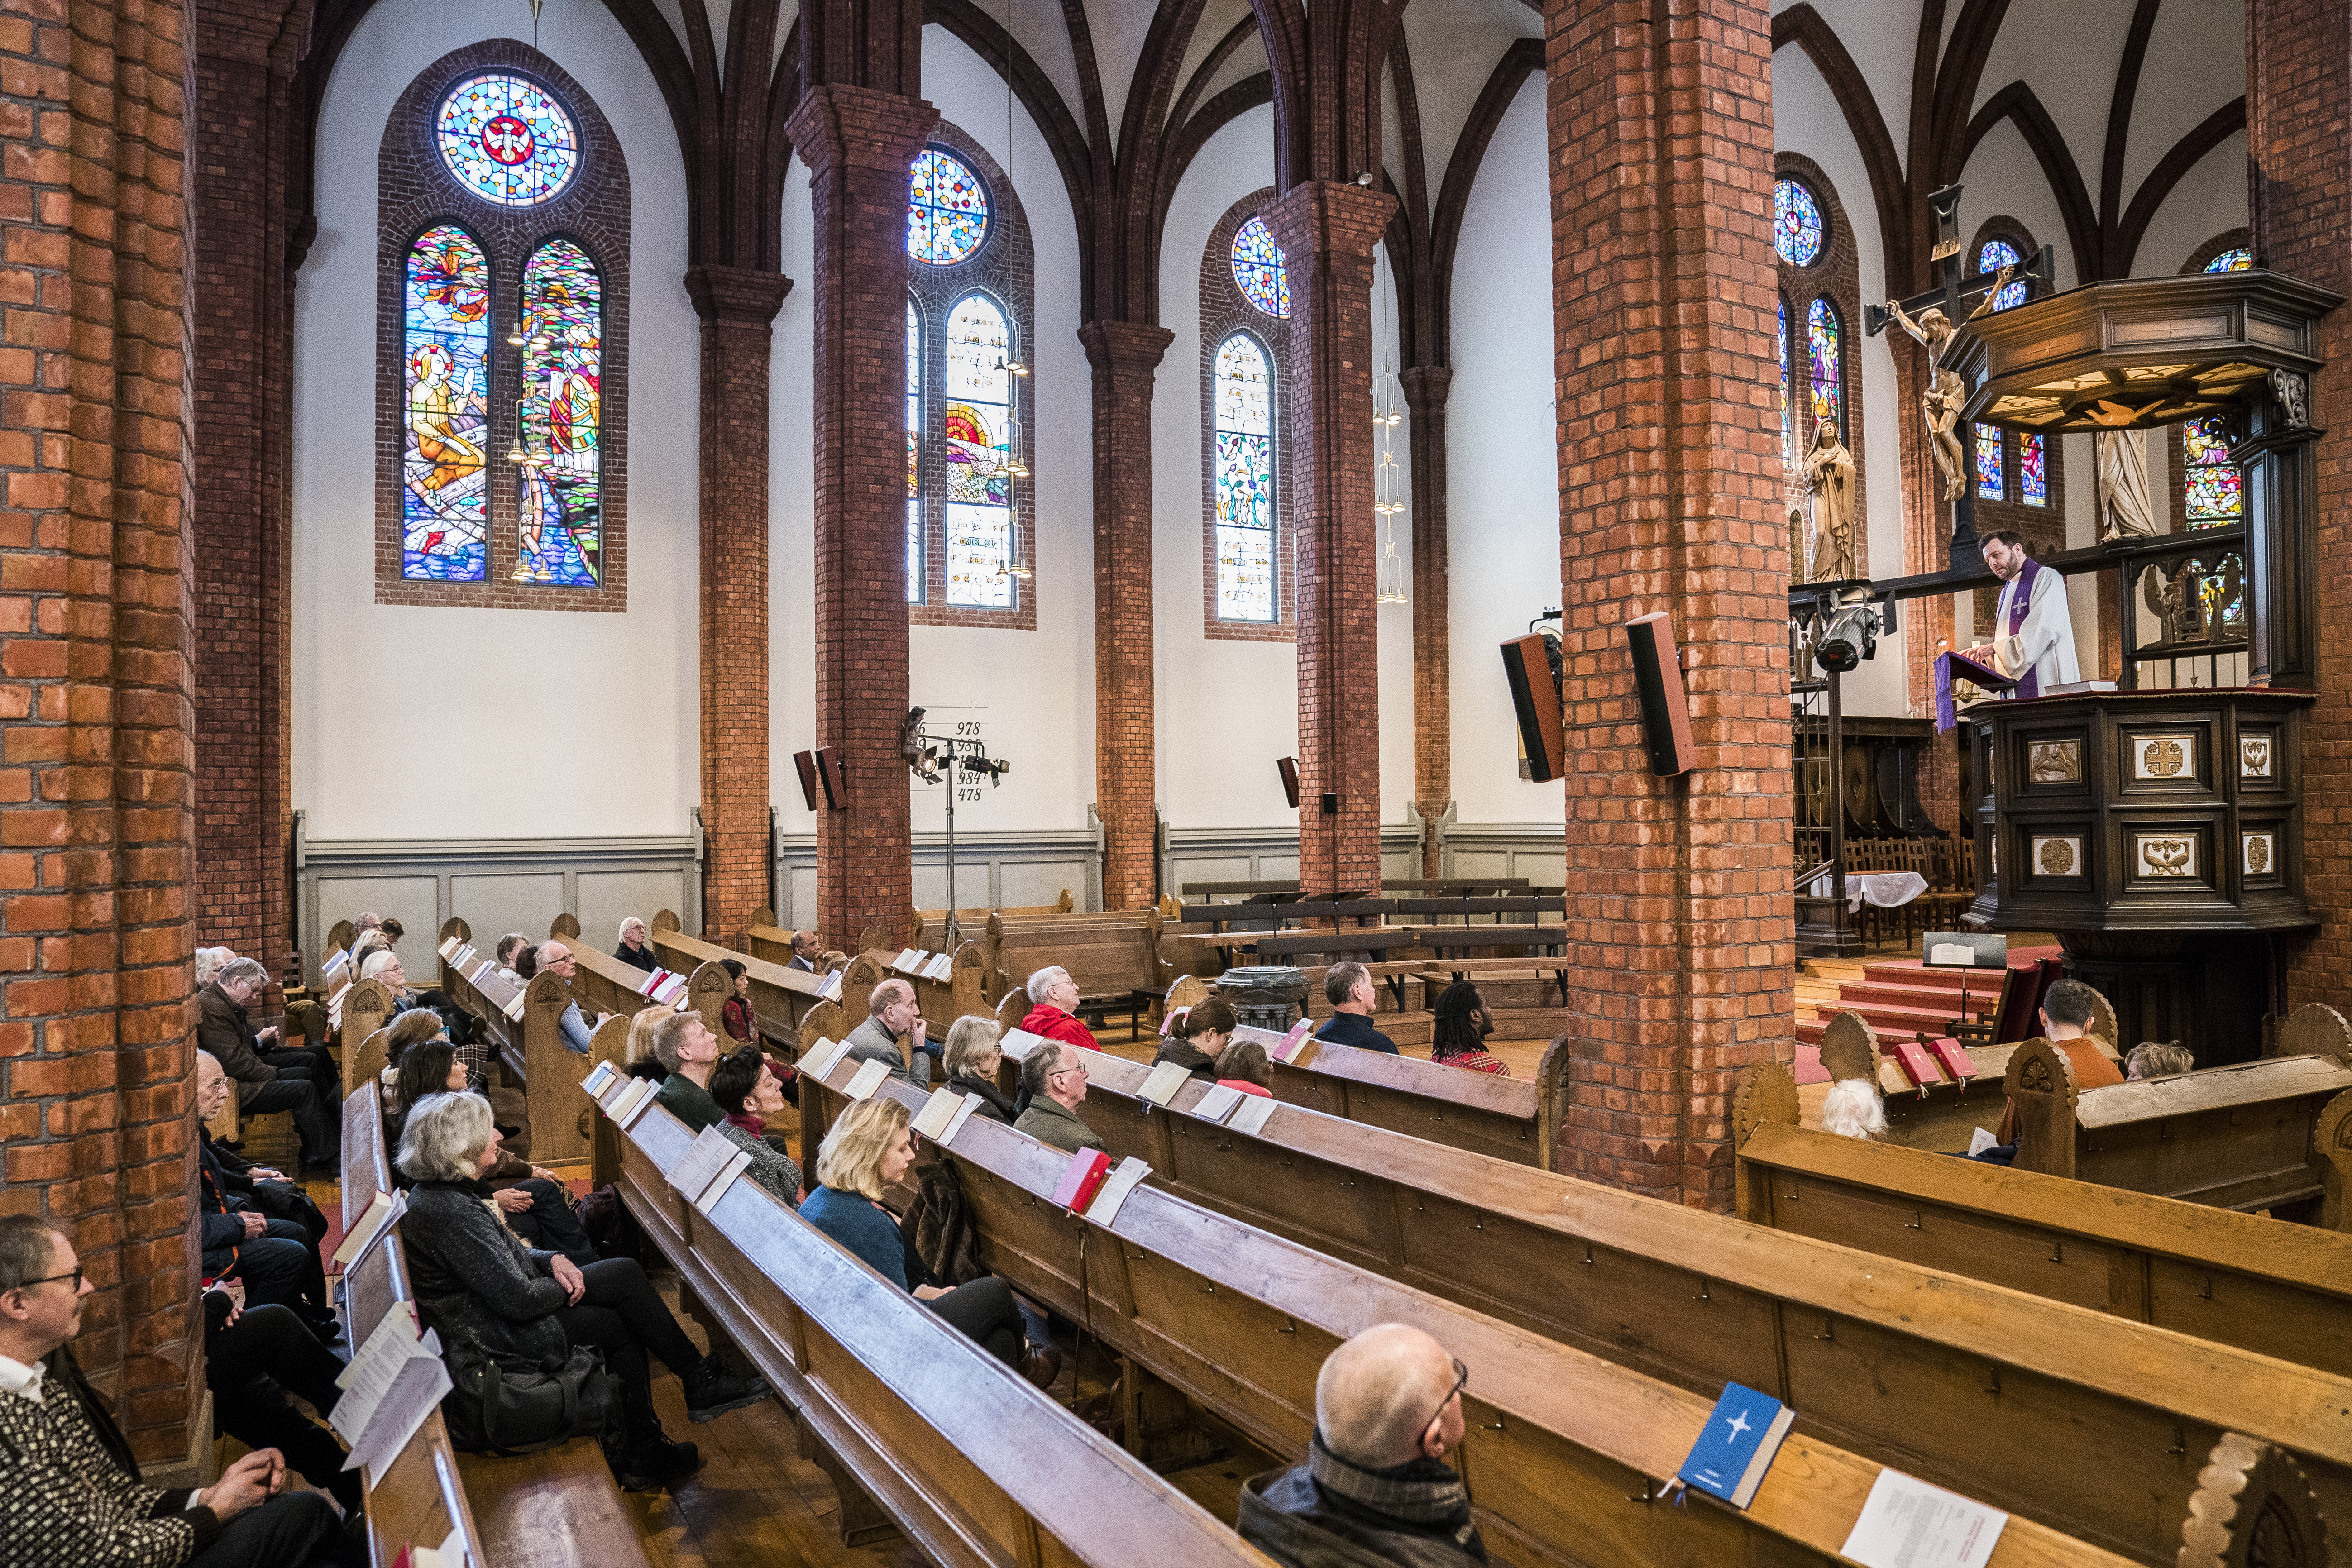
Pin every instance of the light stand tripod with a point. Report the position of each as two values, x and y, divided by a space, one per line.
931 757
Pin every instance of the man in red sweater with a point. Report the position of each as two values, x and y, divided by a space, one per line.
1053 999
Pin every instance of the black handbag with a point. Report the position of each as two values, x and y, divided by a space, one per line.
512 1405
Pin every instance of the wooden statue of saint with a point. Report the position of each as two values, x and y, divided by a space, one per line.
1829 480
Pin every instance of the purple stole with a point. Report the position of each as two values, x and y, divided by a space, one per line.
2028 683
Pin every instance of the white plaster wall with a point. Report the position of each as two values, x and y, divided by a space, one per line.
453 723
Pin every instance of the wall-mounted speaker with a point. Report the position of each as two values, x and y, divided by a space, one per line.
805 764
1658 679
1534 694
828 774
1289 768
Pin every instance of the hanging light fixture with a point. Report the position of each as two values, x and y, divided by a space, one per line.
1388 488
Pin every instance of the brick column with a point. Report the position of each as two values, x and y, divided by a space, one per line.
1663 284
1125 356
1426 388
1327 231
736 304
2298 98
95 645
859 143
243 381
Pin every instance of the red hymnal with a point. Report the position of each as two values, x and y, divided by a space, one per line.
1916 1064
1081 1179
1958 1062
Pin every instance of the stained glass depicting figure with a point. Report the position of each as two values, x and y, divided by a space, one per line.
1788 446
978 427
444 493
1260 269
914 455
1995 255
2237 259
2210 480
947 209
1243 427
507 140
1799 229
1988 475
1825 342
2033 483
560 484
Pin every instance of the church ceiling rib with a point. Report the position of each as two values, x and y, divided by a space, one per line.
2119 113
1523 59
2184 156
2019 104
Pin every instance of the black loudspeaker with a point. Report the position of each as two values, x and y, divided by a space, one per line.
1289 768
828 774
1666 710
805 764
1530 664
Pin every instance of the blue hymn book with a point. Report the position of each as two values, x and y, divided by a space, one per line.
1738 1447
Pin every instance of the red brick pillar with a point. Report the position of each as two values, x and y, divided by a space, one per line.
1327 231
859 143
95 645
2298 99
1125 356
1426 388
243 375
736 304
1679 913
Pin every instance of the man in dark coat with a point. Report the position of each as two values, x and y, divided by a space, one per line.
277 1259
270 1080
1349 988
1376 1488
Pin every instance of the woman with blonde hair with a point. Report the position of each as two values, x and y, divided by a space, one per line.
973 1060
870 1150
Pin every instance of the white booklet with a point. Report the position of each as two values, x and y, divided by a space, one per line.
1250 1116
817 1061
868 1078
1217 1102
383 1212
1112 1194
701 1164
1159 1086
1907 1523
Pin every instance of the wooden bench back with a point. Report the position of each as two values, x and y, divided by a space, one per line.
970 1461
532 1052
366 1010
609 985
1561 1435
1907 1365
1503 1118
1118 950
2281 1290
780 996
340 935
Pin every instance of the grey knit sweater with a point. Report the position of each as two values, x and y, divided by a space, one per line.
475 1276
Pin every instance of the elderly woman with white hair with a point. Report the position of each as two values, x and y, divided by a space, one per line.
1053 1008
1852 1108
475 1279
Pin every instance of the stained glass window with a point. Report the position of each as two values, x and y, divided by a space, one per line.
2210 480
1260 268
2033 483
1799 229
1996 255
444 494
1825 344
2240 259
559 487
1243 427
947 209
507 140
1787 444
1988 475
978 424
914 455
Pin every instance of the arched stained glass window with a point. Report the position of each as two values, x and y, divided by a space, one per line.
1260 268
1990 485
507 140
445 492
914 454
2208 479
947 209
1825 343
2033 480
1244 481
1799 229
561 487
2239 259
1787 444
1995 255
977 422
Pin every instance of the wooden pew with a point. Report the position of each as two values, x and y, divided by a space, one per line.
2283 1291
780 996
532 1052
963 1455
942 1001
608 986
1109 953
931 926
561 1507
2235 1137
1943 1116
367 1008
1907 1365
1565 1446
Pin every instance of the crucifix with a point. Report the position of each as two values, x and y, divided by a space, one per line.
1934 317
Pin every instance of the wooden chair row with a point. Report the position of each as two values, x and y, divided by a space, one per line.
1235 1300
535 1512
918 1426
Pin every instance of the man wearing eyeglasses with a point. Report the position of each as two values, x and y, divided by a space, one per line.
70 1489
1376 1487
1054 1081
556 959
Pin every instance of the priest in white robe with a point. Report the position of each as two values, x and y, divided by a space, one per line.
2033 632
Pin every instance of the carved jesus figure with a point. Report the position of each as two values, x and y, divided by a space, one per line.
1941 403
1829 480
